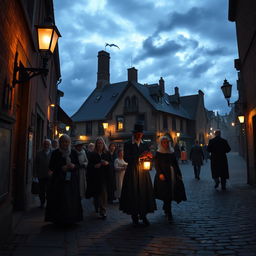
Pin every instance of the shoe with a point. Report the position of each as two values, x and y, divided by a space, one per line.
145 221
223 187
216 185
198 178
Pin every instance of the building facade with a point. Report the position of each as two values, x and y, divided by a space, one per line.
243 14
112 109
26 115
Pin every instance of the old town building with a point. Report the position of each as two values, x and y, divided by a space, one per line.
112 109
27 101
243 14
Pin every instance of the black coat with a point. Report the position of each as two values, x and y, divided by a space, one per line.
97 178
167 190
218 147
111 176
137 196
63 197
196 155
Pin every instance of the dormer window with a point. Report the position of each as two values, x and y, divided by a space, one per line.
97 98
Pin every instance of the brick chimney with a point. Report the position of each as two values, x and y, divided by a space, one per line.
103 69
161 85
132 74
176 91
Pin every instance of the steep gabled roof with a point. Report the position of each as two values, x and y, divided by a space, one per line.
101 101
190 103
163 104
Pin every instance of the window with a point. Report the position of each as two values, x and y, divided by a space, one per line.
127 102
134 103
120 123
88 128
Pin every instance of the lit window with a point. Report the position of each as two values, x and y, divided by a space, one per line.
120 123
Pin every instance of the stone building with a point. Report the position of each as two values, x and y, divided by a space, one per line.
117 106
243 13
25 113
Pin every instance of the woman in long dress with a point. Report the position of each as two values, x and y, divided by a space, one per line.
167 174
97 177
63 197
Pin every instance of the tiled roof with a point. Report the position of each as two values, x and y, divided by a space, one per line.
98 105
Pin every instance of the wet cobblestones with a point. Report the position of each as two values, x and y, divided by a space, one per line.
211 222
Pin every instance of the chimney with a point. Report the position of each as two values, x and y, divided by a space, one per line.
176 91
161 84
132 74
103 69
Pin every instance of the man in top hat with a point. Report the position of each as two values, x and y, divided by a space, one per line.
137 192
218 147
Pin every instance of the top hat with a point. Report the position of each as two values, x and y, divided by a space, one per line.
138 127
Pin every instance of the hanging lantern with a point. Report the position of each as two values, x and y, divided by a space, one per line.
146 164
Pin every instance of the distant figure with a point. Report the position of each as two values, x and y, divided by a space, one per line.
41 169
218 147
197 158
120 168
137 197
63 197
177 151
206 153
83 162
183 154
55 144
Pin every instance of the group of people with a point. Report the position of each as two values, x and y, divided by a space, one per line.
106 173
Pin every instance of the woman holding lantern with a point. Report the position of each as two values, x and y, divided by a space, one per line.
168 175
137 196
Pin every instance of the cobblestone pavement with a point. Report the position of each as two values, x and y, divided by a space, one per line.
211 222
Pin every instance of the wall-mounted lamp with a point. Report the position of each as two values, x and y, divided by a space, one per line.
178 134
233 124
67 128
241 119
105 125
226 89
47 39
52 105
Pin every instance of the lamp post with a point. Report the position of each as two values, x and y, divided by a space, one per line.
47 37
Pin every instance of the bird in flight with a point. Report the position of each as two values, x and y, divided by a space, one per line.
110 45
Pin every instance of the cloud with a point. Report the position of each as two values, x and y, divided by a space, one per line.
189 43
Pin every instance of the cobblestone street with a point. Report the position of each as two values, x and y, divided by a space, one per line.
211 222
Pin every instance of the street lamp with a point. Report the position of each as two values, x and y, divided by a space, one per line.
241 119
226 89
47 37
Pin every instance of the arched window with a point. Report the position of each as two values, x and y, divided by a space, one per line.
134 101
127 102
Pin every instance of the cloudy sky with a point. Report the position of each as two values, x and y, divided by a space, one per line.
190 43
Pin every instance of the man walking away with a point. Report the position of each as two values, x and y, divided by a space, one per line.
218 147
197 158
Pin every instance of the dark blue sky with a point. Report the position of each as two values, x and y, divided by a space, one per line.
190 43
